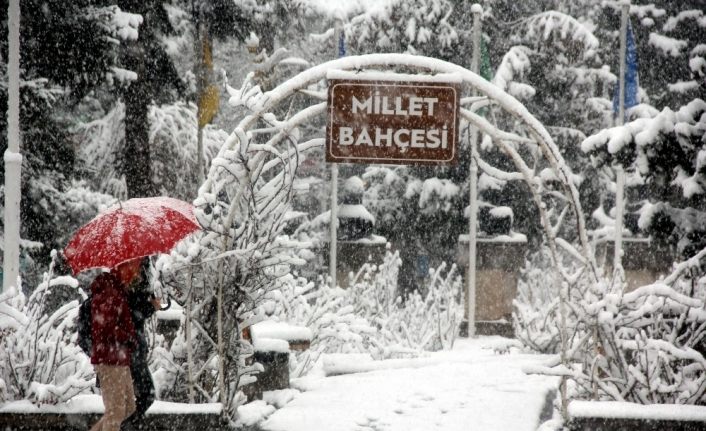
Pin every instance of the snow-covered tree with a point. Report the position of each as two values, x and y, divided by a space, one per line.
664 155
67 51
172 136
417 27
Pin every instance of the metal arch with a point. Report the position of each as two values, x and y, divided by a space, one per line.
507 102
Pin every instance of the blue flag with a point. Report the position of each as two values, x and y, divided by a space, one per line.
342 44
632 81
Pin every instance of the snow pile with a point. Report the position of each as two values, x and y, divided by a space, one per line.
125 24
613 409
271 336
280 331
252 413
669 45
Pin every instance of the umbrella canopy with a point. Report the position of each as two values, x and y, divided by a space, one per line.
135 228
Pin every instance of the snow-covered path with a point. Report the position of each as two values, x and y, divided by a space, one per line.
473 387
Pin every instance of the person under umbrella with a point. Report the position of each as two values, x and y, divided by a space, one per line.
113 342
120 238
143 304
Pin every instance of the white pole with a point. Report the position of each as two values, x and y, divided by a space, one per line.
620 174
477 11
13 158
333 243
189 346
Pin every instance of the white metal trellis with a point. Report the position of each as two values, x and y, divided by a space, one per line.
264 105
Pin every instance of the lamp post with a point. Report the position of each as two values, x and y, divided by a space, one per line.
333 228
619 172
12 156
477 11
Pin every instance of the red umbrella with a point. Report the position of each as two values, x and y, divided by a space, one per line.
135 228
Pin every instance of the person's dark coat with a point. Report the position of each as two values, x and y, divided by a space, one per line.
142 309
112 329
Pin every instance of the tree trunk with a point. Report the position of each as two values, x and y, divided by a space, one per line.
137 165
137 97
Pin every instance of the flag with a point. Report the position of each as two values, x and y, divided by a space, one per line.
209 99
632 81
342 44
486 70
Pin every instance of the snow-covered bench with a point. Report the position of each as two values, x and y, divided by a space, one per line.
268 334
272 342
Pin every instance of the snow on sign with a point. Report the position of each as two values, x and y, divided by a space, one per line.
392 121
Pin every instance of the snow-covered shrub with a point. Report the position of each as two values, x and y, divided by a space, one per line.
535 314
326 311
40 357
426 320
369 316
646 346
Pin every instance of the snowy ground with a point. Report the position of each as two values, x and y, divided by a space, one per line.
479 385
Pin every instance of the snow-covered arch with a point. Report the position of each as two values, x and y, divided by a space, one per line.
263 106
243 203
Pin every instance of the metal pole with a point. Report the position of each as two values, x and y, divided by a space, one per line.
620 174
477 11
12 156
333 243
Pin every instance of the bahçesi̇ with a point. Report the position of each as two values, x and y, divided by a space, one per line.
403 138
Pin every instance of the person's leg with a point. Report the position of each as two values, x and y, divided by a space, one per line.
128 392
144 394
98 426
112 398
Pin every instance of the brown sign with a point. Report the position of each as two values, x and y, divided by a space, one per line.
392 122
